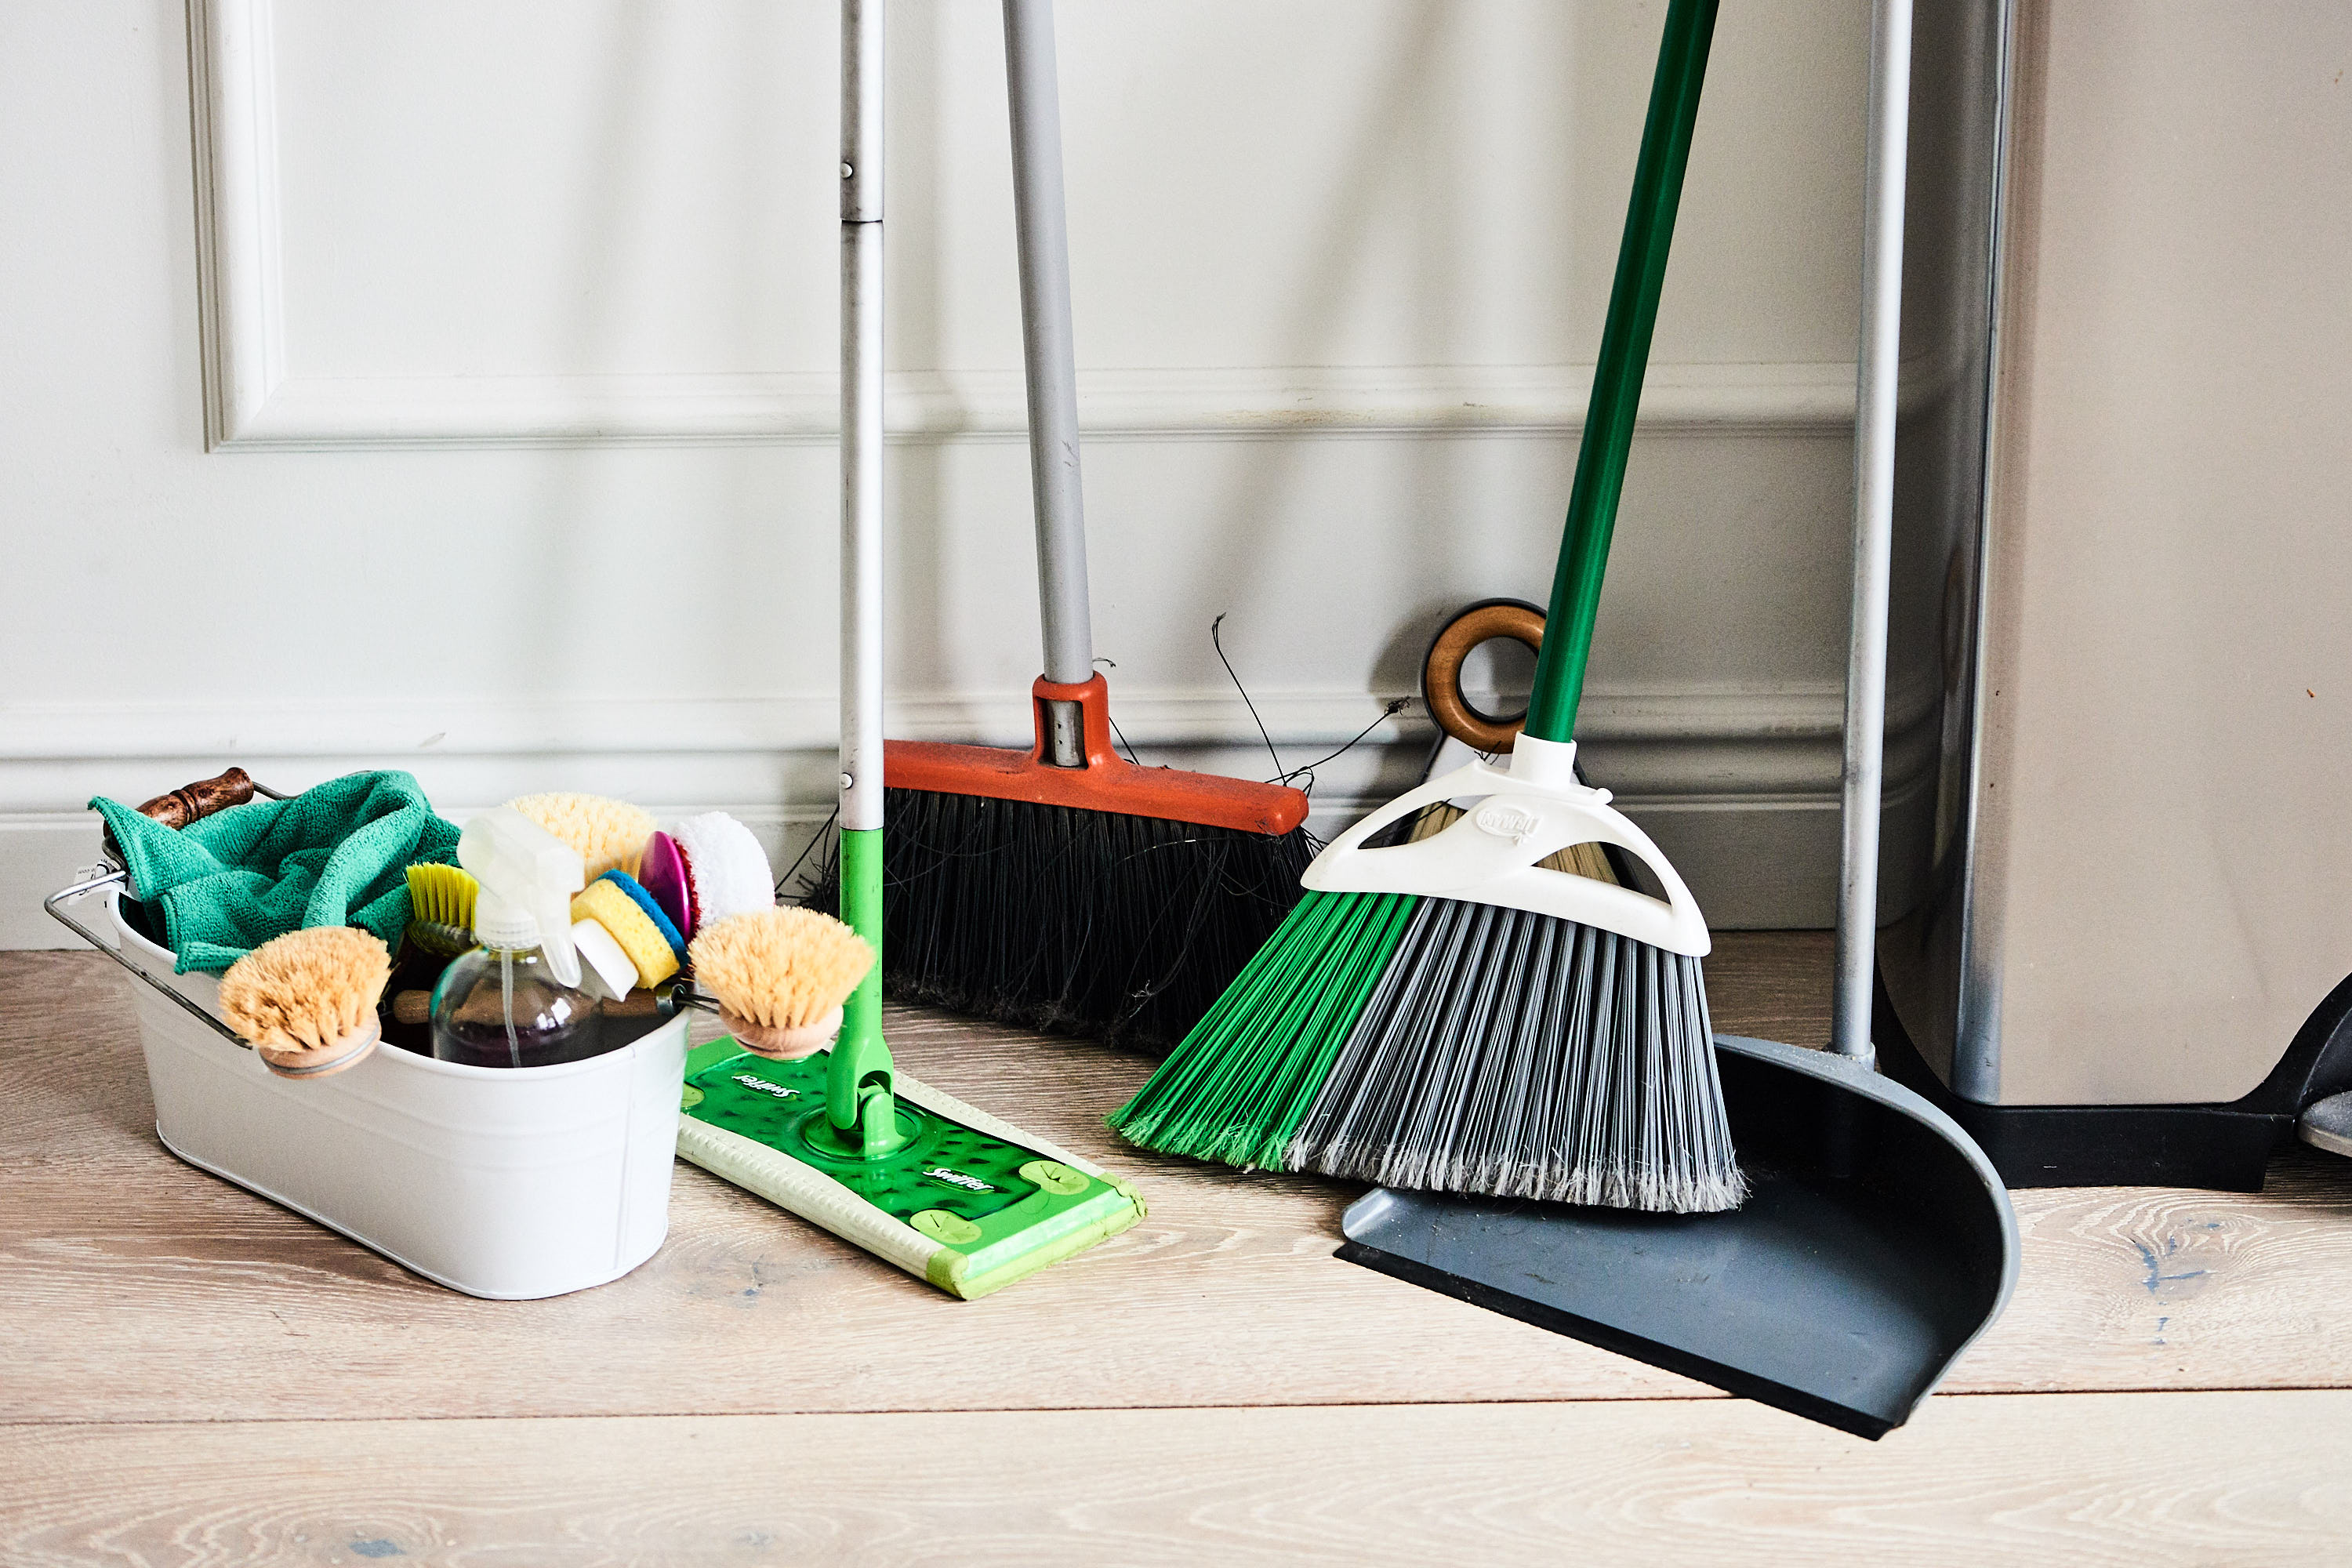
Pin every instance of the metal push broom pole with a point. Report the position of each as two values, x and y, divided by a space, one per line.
1048 356
1873 522
859 1100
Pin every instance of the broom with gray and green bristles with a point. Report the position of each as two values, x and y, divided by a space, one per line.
1449 1013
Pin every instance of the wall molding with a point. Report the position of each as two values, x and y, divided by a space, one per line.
1658 744
1739 786
253 402
802 408
1762 719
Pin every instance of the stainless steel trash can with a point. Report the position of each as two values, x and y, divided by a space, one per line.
2116 873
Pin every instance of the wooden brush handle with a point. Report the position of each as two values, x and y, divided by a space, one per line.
638 1004
186 803
203 798
416 1006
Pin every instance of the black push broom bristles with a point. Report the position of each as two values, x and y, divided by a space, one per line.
1074 921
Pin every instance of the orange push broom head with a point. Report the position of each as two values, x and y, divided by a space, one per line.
1108 782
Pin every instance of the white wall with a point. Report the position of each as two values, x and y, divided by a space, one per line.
450 386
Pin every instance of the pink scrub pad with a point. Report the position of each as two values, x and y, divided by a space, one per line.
727 869
664 872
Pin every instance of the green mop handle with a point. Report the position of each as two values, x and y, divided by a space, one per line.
1617 379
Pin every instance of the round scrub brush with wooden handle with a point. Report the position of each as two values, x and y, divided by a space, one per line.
780 977
307 1000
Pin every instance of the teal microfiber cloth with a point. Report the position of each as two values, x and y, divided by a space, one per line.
336 854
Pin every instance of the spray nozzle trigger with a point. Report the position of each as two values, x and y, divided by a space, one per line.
528 877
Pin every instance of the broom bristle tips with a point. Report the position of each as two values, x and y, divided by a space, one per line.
1485 1050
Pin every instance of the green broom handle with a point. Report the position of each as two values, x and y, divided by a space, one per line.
1617 379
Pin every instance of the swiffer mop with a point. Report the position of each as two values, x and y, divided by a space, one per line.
948 1193
1450 1014
1068 888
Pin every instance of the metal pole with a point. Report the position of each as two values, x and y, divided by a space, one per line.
859 1075
1049 352
861 415
1873 522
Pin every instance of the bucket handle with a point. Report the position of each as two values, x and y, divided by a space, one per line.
108 875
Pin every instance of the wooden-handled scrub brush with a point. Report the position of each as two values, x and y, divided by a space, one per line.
1066 888
307 1001
780 977
1450 1014
610 835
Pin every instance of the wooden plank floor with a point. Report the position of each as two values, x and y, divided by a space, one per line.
188 1374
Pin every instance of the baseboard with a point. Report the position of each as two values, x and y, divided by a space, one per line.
1666 738
1752 866
1739 787
1754 863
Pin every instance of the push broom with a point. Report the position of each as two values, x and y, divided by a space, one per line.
1451 1014
948 1193
1068 888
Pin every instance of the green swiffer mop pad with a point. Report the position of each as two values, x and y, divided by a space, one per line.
971 1203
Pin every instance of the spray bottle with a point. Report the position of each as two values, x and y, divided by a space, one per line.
515 1000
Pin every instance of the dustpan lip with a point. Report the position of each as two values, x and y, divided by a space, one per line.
1871 1084
1856 1077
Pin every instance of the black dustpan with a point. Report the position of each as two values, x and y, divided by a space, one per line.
1879 1242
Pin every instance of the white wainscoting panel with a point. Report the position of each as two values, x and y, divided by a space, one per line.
449 386
467 277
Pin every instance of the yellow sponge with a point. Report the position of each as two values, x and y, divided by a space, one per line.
605 903
609 833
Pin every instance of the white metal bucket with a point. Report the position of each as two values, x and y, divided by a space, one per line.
512 1183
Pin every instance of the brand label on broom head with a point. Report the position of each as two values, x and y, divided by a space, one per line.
1506 821
764 1087
958 1179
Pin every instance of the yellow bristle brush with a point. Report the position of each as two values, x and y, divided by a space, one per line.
305 1001
609 833
780 977
441 908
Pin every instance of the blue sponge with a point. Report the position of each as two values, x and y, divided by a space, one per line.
645 901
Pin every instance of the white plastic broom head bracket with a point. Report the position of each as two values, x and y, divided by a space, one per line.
1519 816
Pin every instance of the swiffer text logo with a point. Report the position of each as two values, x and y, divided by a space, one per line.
958 1179
764 1087
1507 822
